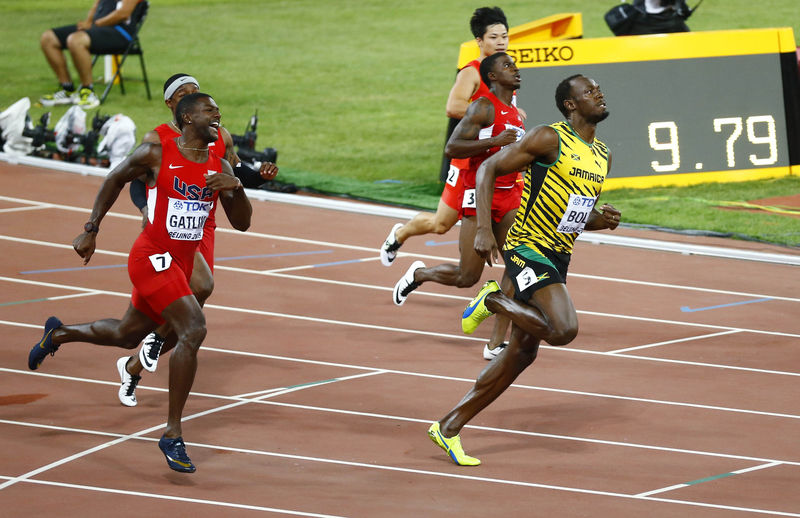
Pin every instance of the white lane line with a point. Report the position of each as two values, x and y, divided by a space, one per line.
676 341
99 447
23 209
398 469
355 324
371 250
158 496
470 380
709 479
681 287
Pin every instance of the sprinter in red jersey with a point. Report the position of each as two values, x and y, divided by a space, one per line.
187 180
490 28
202 280
490 123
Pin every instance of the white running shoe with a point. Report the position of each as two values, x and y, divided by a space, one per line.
127 391
406 283
58 98
87 99
491 354
150 351
390 246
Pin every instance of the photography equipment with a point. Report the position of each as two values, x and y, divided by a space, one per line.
246 146
39 133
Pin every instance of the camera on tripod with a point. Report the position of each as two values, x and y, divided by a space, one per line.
66 145
246 146
39 134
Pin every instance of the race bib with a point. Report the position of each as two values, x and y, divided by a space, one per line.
186 218
452 176
161 262
577 214
525 279
469 199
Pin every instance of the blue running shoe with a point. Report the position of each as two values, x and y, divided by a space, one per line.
175 452
45 346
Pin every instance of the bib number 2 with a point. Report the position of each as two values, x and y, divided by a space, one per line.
161 262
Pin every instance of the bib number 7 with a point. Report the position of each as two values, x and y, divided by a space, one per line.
161 262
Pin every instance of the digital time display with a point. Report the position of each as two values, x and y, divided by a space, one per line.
697 117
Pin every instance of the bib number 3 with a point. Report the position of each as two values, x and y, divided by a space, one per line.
161 262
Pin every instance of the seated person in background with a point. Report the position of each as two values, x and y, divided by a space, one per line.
105 30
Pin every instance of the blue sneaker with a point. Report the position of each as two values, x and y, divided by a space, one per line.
175 452
45 346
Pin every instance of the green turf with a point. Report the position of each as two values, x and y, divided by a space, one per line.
350 93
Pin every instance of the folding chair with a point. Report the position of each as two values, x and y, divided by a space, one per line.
134 47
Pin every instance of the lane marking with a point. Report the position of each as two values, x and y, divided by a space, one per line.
114 442
216 503
403 254
676 341
22 209
709 479
474 478
47 299
580 312
686 309
267 256
443 243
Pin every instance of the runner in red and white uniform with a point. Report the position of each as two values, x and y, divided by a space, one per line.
188 180
202 281
490 28
508 188
490 123
179 206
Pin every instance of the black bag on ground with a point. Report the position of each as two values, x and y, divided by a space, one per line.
621 18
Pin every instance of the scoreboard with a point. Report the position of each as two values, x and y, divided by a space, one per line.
684 108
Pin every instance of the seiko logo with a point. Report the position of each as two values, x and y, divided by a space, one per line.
541 54
519 262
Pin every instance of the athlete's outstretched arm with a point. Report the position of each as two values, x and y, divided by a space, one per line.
144 161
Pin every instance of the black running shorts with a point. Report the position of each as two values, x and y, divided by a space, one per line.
532 269
104 40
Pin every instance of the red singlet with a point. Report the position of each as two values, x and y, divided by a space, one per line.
206 248
453 193
507 188
161 260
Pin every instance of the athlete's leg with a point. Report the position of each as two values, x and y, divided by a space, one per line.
202 285
549 315
426 223
468 271
493 380
189 324
125 333
501 322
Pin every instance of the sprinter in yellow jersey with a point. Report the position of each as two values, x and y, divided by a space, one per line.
567 166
